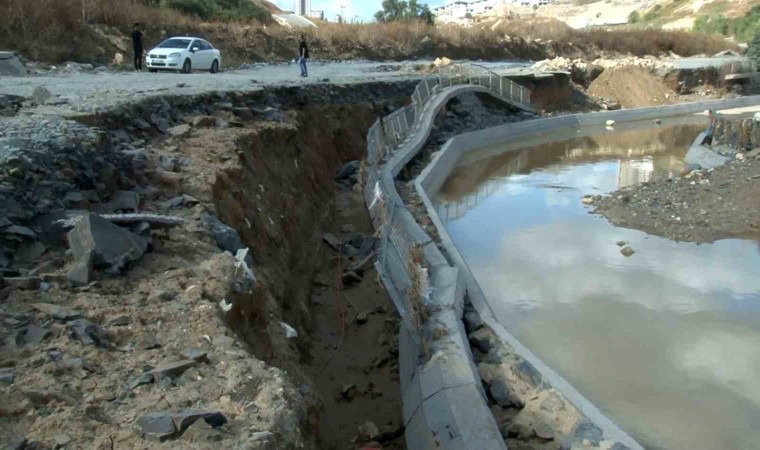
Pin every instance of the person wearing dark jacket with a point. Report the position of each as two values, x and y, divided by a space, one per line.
303 55
137 46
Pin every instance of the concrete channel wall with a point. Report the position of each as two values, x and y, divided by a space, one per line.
429 183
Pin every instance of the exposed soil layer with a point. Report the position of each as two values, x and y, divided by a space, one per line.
270 174
703 206
632 87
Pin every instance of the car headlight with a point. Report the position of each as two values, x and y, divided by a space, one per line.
175 55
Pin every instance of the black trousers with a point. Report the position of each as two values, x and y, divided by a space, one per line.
138 58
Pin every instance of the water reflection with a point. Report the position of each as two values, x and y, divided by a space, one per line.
667 342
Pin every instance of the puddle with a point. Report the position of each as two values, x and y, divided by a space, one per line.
666 342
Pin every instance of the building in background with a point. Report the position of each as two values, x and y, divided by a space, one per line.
463 12
303 7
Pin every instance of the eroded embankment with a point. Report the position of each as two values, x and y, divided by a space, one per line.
139 351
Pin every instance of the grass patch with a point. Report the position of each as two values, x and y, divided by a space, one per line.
742 28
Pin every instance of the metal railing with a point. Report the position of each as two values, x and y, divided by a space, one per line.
400 263
388 132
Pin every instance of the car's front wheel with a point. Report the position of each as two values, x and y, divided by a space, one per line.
215 66
187 67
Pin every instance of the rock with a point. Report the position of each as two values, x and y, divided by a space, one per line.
472 321
332 241
179 130
32 334
196 355
619 446
19 231
11 65
156 426
588 200
121 321
88 333
528 373
61 440
516 430
350 277
111 245
269 113
348 393
243 113
149 342
590 432
7 375
622 243
30 283
57 312
183 418
227 238
753 154
142 380
362 318
118 59
80 272
204 121
544 431
553 403
627 251
122 201
483 339
368 431
172 369
262 436
288 331
201 432
349 171
705 157
504 396
610 123
740 156
41 95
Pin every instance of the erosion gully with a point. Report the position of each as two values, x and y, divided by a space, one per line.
664 339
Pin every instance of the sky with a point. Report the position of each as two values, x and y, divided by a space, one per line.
363 9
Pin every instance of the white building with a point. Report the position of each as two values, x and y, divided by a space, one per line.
453 11
303 7
458 11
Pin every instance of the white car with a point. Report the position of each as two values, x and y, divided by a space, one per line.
184 54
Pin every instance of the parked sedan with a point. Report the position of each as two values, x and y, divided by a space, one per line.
184 54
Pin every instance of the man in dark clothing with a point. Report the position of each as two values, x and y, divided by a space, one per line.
137 46
303 55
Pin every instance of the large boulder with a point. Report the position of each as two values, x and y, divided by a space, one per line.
97 242
11 65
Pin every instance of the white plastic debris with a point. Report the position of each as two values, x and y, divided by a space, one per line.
610 123
425 289
224 306
377 195
289 331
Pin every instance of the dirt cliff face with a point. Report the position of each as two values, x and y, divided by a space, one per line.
185 327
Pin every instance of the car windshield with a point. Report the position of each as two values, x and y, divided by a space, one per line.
174 43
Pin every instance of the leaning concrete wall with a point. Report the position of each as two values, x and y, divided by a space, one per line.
434 175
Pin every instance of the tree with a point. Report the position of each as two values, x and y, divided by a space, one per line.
401 10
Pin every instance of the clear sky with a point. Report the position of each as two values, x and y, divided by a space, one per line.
364 9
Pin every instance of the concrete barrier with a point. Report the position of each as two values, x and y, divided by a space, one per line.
519 135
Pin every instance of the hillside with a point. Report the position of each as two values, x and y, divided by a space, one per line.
668 14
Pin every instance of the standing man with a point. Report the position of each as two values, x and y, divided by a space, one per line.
137 46
303 55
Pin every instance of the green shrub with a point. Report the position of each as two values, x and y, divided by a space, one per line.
217 9
634 17
753 51
742 28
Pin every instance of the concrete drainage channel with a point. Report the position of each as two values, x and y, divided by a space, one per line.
445 401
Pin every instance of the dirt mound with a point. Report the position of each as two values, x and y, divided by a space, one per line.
633 87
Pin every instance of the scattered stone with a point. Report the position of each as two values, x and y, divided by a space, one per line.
156 426
627 251
483 339
196 355
348 393
161 295
349 172
172 369
40 95
368 431
121 321
588 200
227 238
590 432
111 245
179 130
544 431
183 418
528 373
348 229
200 431
622 243
142 380
262 436
7 375
332 241
88 333
269 113
290 332
362 318
516 430
473 321
29 283
57 312
351 277
504 396
204 121
32 334
553 403
30 252
181 85
149 342
80 272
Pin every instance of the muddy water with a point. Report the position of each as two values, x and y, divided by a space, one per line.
667 341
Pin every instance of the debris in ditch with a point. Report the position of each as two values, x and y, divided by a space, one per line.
627 251
226 237
368 431
88 333
348 393
362 318
32 334
332 241
224 306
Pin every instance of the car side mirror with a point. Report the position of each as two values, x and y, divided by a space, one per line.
195 49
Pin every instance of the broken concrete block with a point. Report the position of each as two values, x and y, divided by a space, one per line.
183 418
156 426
